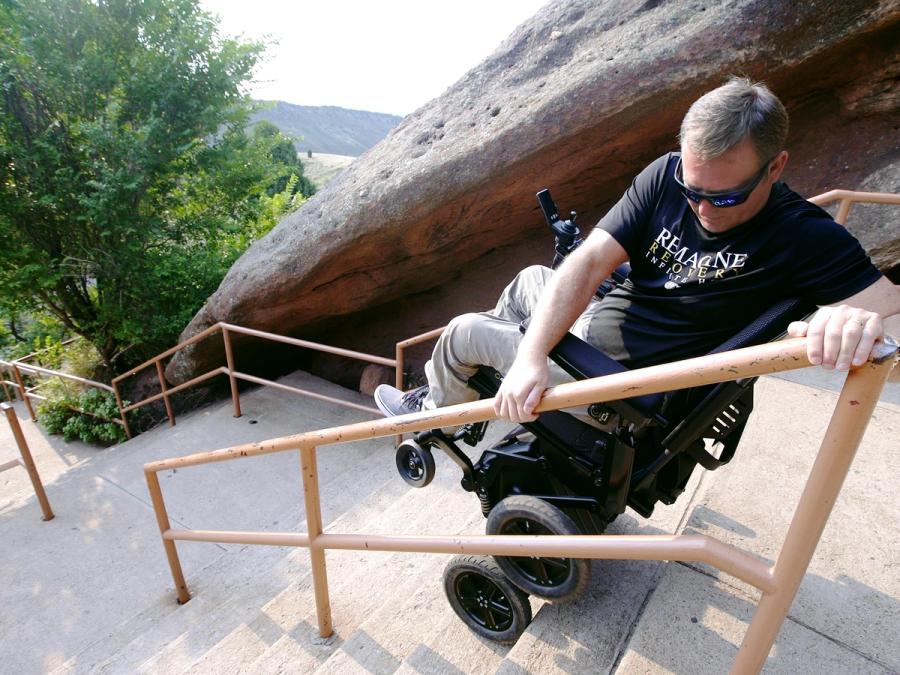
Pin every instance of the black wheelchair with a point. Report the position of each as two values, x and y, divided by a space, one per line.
560 475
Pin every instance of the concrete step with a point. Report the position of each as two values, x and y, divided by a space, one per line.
236 640
290 610
410 595
106 503
598 623
359 583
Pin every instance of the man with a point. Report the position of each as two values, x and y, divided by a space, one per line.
713 239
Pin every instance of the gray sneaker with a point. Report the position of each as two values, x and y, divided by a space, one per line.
391 401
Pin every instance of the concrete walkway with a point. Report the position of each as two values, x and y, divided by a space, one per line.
90 591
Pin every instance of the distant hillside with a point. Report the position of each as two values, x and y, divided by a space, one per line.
321 167
329 129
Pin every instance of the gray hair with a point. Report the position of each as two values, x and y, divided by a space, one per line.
723 117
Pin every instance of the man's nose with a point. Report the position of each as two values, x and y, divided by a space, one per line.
706 209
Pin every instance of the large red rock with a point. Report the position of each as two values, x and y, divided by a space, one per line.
579 98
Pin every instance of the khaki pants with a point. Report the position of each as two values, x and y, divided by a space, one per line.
492 339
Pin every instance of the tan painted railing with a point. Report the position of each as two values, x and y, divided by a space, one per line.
26 460
16 368
848 198
233 375
778 582
26 393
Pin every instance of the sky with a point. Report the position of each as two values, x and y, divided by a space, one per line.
389 56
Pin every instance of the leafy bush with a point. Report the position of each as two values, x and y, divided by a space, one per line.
59 416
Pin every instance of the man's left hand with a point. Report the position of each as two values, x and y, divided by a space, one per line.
840 336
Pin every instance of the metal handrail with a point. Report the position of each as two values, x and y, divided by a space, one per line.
850 197
234 375
37 370
778 582
27 393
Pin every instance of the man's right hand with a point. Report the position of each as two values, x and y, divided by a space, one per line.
522 389
567 294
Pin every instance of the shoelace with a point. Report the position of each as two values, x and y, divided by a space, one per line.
413 399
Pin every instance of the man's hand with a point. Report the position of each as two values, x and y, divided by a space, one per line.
841 336
522 389
568 292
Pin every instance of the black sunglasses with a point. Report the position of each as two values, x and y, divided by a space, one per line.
721 200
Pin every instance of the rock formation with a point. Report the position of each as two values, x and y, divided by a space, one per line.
579 98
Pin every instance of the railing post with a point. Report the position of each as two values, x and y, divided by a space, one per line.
115 388
399 379
162 519
4 373
165 392
845 431
23 392
843 211
314 528
27 460
398 357
229 357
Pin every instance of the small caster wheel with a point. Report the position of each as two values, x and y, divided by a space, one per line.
415 464
548 578
485 599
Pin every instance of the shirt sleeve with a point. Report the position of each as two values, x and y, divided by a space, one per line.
630 217
832 264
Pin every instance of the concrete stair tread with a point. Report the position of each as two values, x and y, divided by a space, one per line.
234 619
293 610
599 622
126 642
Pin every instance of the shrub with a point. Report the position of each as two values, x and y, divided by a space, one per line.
59 416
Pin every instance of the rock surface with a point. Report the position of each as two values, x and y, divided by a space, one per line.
579 98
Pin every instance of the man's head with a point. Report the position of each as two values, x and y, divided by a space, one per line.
732 141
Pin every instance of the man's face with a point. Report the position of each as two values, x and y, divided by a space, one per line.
729 171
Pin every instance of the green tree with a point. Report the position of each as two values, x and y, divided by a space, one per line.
283 151
126 175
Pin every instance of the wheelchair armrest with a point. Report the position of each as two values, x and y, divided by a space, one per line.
583 361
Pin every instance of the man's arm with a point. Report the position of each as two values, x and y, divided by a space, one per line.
563 300
843 334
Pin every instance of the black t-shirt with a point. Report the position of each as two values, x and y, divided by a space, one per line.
690 290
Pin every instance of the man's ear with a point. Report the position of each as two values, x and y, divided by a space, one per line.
777 165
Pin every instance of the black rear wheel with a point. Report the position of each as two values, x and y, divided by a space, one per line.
485 599
549 578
